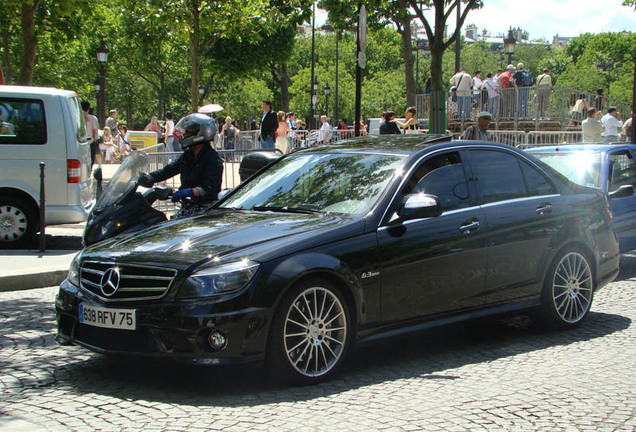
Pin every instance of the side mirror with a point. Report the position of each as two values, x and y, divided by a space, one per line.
622 192
417 206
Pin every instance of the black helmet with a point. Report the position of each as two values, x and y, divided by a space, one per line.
194 129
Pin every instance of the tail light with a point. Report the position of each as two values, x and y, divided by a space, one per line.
73 171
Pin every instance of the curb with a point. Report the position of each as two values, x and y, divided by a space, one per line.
32 280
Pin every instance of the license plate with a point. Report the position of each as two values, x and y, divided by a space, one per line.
123 319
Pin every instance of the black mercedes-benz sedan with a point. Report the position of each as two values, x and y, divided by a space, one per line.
333 246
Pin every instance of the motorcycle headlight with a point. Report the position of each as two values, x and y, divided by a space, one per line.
74 272
222 279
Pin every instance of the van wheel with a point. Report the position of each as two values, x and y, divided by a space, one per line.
311 333
18 223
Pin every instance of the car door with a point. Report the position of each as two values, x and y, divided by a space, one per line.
622 171
436 264
521 206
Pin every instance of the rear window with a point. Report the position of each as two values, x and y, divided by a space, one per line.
22 121
77 117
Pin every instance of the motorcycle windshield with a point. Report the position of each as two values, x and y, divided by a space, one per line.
124 179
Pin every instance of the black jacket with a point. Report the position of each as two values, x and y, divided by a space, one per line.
387 128
203 172
269 125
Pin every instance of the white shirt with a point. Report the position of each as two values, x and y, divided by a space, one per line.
323 135
611 125
491 86
92 126
169 128
477 84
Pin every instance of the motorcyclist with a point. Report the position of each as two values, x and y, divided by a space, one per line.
200 167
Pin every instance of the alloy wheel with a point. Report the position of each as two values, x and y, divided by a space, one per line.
572 287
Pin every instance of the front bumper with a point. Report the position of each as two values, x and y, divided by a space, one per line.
169 329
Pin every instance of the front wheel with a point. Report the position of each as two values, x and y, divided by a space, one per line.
311 333
568 290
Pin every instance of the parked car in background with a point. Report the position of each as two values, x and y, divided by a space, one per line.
610 168
337 245
41 125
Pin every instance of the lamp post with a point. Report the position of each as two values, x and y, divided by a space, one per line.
98 86
102 58
509 45
314 86
607 64
314 99
201 93
327 90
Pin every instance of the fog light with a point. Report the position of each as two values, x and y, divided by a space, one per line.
217 340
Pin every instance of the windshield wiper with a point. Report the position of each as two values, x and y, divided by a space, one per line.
286 209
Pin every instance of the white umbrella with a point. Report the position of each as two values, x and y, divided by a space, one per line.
210 108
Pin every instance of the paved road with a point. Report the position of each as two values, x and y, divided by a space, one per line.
493 375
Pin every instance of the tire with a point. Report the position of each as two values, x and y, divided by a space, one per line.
568 290
18 223
311 333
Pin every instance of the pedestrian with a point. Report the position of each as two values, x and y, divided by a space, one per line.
92 130
107 145
199 166
611 122
363 126
493 95
628 130
123 142
229 133
478 89
579 110
451 104
592 127
522 82
410 123
281 133
462 81
343 128
291 125
324 135
599 100
112 123
507 93
269 125
543 89
389 126
169 133
479 132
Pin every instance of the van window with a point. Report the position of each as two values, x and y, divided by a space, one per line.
22 121
77 117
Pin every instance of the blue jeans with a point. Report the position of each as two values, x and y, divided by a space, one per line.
524 95
463 107
268 143
493 106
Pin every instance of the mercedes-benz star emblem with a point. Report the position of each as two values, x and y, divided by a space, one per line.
110 281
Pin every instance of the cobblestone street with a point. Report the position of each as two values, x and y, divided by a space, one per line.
489 375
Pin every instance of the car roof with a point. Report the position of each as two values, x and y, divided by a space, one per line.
582 147
406 145
35 91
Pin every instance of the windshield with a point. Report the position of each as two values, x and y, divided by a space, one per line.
339 183
124 179
582 167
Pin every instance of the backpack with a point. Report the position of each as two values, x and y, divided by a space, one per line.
526 79
229 132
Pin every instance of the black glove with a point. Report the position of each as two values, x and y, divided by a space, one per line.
145 180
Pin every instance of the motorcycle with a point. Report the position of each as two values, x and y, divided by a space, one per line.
124 206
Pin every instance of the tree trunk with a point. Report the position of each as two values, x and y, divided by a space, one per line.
7 56
29 43
284 88
409 61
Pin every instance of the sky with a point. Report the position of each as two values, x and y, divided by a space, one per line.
543 19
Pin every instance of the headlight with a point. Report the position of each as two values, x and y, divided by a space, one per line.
218 280
74 272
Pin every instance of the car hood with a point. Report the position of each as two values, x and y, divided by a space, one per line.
225 234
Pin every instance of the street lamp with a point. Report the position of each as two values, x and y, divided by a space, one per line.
607 64
314 99
98 86
509 45
102 58
201 93
327 90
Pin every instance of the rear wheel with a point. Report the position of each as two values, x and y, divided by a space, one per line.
311 333
568 290
18 222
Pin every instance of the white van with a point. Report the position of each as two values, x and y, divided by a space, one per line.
41 125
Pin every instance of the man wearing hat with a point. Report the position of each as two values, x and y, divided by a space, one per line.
479 132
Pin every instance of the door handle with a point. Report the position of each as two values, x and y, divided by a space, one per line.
469 226
544 208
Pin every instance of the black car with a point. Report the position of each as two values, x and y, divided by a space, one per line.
333 246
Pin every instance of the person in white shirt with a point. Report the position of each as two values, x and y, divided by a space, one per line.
493 94
478 86
463 82
611 122
592 127
324 136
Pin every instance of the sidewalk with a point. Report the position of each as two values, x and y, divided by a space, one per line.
27 269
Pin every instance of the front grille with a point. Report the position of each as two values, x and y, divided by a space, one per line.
136 282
